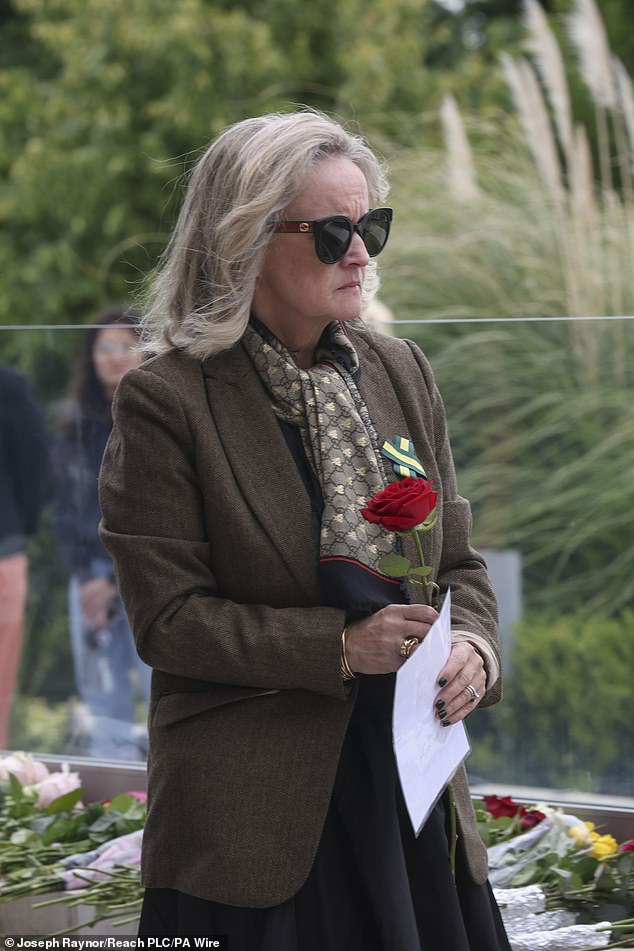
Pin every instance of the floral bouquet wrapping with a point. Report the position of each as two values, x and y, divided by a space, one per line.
560 883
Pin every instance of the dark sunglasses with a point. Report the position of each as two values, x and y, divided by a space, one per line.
333 235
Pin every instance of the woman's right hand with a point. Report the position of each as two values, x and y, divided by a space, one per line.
373 644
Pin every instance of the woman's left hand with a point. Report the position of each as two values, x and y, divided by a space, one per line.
464 669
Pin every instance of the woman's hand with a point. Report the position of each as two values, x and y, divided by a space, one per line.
373 644
95 597
464 667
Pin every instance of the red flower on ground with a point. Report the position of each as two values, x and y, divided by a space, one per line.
506 807
500 806
530 818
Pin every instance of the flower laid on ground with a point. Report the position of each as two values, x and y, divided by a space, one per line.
579 868
600 846
500 818
33 775
55 785
26 770
407 507
139 794
43 822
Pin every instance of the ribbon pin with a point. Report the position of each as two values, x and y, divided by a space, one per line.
401 454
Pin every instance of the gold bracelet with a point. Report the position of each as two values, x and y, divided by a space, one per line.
346 673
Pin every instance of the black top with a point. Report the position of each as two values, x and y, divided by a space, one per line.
78 454
24 461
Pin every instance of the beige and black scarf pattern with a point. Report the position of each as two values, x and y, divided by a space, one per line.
337 434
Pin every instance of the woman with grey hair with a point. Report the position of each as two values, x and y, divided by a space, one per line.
232 488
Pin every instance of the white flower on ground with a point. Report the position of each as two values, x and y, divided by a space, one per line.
26 770
56 784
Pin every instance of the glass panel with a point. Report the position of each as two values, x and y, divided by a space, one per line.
543 435
81 689
542 429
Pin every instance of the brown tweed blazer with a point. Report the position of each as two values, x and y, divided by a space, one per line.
209 525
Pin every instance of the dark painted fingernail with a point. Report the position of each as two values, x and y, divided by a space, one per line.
442 681
440 704
442 714
446 723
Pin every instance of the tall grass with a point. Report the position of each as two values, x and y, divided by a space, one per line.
541 413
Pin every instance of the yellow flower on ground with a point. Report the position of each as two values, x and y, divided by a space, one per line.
603 846
582 834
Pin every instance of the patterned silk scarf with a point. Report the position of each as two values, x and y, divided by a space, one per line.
337 434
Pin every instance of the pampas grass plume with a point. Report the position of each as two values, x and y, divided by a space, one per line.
533 116
587 33
626 99
582 180
463 185
545 49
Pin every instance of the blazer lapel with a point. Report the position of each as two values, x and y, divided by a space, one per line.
262 463
378 393
387 416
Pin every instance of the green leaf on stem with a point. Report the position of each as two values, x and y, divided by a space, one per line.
529 874
20 836
58 831
126 803
16 788
64 803
395 566
421 572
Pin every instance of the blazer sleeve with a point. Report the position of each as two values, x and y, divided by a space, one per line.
473 603
154 526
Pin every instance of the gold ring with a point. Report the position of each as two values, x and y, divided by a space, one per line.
407 645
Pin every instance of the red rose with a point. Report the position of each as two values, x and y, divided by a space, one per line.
627 846
500 806
402 505
530 818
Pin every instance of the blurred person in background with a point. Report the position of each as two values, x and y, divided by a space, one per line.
107 667
24 490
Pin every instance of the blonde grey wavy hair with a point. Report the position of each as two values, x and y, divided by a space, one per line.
199 298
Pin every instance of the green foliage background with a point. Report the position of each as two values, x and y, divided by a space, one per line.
566 719
104 105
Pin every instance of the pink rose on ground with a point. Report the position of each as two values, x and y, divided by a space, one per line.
55 785
26 770
137 794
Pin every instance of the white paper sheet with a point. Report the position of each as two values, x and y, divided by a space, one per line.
427 754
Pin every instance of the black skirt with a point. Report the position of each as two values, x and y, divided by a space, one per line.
374 886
